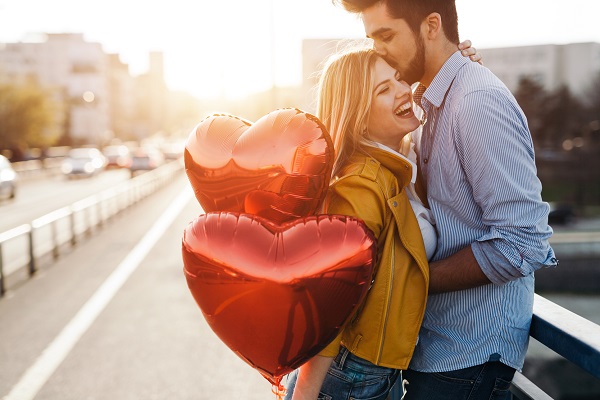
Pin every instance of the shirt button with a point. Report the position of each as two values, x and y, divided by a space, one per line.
395 204
426 160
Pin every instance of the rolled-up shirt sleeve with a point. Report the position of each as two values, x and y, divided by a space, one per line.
497 155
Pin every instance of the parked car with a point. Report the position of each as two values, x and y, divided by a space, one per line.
8 179
145 160
173 150
83 161
117 156
561 214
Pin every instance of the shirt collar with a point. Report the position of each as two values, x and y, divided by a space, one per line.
443 79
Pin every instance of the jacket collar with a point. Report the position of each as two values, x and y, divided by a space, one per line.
402 168
392 163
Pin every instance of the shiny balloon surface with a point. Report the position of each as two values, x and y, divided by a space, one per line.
278 167
277 294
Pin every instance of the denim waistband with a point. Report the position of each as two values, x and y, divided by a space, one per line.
345 359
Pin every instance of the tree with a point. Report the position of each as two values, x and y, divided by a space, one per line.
27 117
591 128
592 98
532 97
563 116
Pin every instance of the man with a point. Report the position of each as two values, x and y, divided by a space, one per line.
477 162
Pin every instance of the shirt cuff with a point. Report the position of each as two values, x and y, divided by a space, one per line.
500 270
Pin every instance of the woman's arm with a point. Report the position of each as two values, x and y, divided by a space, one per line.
467 50
310 378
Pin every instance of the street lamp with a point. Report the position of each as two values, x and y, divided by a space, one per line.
88 98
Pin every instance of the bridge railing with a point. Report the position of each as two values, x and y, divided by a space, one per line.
566 333
37 168
23 246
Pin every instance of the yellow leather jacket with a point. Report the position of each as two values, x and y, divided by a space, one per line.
386 327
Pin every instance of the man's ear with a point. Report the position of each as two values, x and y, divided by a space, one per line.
431 27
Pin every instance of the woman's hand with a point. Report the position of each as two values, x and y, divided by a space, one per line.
468 50
310 378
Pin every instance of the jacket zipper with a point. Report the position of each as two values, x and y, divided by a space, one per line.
389 300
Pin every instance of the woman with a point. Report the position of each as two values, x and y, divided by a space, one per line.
368 111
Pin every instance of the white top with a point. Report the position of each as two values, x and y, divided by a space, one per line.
423 214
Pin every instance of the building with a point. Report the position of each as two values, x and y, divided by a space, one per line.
75 71
99 98
573 65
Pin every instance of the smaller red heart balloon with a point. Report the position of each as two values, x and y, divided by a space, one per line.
278 168
277 294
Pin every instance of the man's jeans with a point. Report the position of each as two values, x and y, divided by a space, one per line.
489 381
352 377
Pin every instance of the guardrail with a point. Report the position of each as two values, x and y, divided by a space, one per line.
566 333
37 168
46 235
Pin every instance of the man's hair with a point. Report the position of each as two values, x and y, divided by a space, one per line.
413 12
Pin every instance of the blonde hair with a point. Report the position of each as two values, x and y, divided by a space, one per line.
345 92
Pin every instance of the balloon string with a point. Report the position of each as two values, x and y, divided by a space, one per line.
278 390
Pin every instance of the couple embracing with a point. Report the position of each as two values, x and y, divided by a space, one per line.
453 199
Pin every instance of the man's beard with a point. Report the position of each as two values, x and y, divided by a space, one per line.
416 68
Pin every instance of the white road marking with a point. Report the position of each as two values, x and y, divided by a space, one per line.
38 374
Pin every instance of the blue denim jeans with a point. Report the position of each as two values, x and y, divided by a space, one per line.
489 381
351 377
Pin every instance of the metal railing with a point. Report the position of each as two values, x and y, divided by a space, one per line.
46 235
37 168
566 333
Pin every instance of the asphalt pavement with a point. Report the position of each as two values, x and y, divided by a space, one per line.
148 340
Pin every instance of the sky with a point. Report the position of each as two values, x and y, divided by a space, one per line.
237 47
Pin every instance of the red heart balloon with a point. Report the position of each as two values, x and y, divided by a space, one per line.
277 294
278 168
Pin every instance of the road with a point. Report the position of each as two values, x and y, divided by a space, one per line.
113 319
39 196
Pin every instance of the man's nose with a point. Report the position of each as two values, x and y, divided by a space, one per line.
379 48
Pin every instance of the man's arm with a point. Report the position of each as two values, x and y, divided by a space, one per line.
497 157
457 272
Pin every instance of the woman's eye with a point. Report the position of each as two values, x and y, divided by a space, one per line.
383 90
386 38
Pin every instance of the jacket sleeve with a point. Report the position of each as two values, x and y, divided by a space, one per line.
359 197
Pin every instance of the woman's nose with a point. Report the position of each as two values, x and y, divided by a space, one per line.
402 89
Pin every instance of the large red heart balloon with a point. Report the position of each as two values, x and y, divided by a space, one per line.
277 168
277 294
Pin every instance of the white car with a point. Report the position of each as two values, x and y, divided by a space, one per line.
83 161
8 179
145 160
117 156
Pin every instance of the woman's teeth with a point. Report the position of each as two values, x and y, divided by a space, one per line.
403 109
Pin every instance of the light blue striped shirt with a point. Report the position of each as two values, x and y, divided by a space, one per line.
477 159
